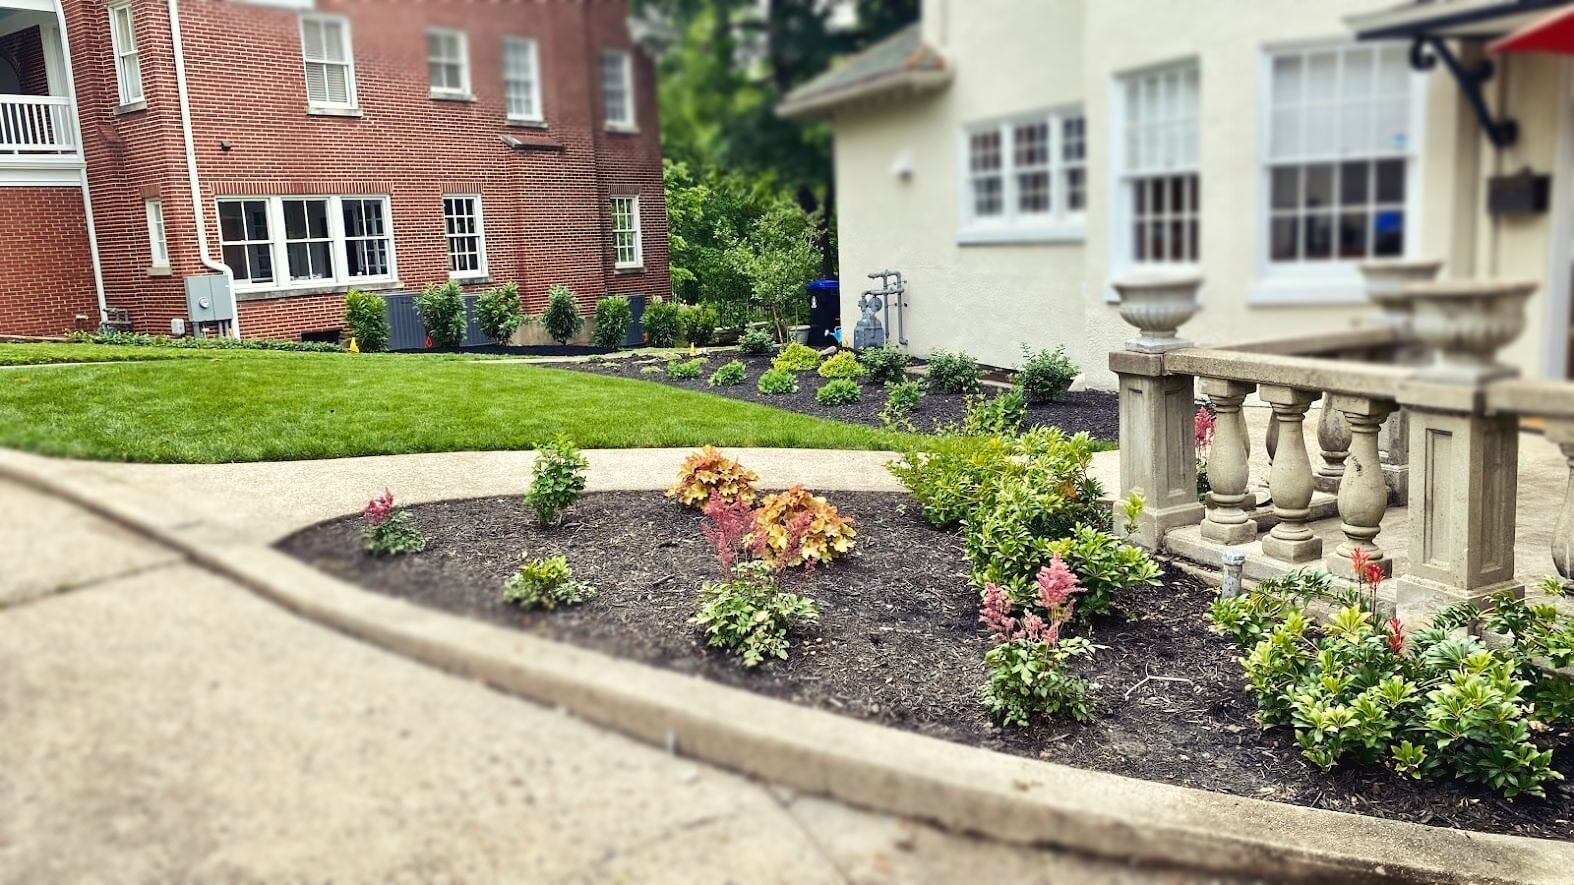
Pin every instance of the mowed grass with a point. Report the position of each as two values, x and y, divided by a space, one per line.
263 406
43 354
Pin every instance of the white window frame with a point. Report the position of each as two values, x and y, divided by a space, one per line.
479 272
128 59
628 121
1126 176
460 59
279 256
1335 280
347 47
1060 223
637 262
158 236
529 84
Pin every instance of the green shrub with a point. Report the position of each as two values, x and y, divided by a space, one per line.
797 357
366 315
613 316
1028 678
843 365
441 308
662 323
545 583
953 476
999 415
901 400
886 365
686 370
138 339
777 382
952 372
652 370
749 614
729 374
1045 374
755 343
557 480
561 319
699 324
1105 565
1009 540
498 313
838 392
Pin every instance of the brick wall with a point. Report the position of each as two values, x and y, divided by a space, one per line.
48 281
24 50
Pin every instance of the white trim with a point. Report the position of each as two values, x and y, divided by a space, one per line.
530 45
628 122
638 262
461 59
346 47
1060 224
158 236
480 271
1560 257
278 245
128 88
1120 178
81 167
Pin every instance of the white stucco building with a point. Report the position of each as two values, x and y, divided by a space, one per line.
1011 158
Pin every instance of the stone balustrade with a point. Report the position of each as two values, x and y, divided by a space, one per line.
1414 410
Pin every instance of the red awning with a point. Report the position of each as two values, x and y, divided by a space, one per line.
1551 33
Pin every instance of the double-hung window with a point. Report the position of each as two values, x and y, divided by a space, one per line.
295 242
1338 155
448 61
1024 177
1159 187
128 62
158 243
466 237
628 249
617 88
330 64
522 80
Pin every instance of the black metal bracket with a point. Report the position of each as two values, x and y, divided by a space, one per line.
1424 54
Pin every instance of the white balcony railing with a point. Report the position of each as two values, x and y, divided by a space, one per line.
37 125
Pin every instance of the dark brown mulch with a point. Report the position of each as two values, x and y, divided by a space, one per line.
898 643
1094 411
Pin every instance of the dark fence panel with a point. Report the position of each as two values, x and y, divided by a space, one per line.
636 335
406 331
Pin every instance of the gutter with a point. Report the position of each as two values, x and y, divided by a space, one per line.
191 163
908 81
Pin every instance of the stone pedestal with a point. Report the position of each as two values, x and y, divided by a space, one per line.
1158 455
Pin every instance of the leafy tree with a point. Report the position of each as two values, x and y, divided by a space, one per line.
778 257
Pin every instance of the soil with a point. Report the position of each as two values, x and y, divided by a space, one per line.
1093 411
898 644
520 350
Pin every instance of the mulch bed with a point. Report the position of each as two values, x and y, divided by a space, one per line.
898 643
1094 411
519 350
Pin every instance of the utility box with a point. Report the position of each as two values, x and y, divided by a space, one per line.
209 299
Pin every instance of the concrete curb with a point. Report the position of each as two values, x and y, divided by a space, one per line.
958 787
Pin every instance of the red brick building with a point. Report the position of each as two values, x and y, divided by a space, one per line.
314 147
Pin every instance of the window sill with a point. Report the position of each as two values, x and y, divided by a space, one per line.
527 124
1309 289
160 272
131 107
435 95
302 291
470 278
1020 235
629 269
623 128
326 111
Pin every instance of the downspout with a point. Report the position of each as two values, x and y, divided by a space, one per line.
87 197
191 163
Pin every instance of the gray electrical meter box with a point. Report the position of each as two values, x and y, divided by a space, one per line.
209 300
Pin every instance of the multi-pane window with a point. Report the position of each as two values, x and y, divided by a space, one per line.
1338 153
323 240
158 244
628 251
1074 153
466 243
1026 171
1159 180
128 62
330 66
521 80
448 61
617 87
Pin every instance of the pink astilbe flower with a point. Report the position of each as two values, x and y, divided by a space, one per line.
378 509
1203 425
1057 584
996 614
726 524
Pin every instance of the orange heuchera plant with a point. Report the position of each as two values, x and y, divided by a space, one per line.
708 472
797 527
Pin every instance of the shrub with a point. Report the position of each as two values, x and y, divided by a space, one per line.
652 370
699 324
952 372
1105 565
442 311
843 365
749 614
561 319
734 372
366 315
954 476
838 392
613 316
661 323
1009 540
1045 374
138 339
498 313
797 357
777 382
998 415
796 527
557 480
389 532
545 583
708 474
1028 667
901 400
686 370
755 343
886 365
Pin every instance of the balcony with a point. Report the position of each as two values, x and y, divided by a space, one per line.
37 126
39 140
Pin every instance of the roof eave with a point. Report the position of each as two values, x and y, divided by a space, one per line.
908 82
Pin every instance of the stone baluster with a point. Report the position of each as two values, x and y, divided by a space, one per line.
1363 495
1385 287
1562 433
1333 441
1290 480
1226 521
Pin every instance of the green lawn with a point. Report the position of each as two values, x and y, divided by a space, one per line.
219 406
46 354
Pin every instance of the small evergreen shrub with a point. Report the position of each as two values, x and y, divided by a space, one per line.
1029 672
1105 565
999 415
441 308
652 370
709 474
777 382
686 370
954 476
545 584
797 357
730 374
749 614
662 324
901 400
887 364
796 527
843 365
699 323
613 316
389 532
557 480
561 319
366 316
838 392
1045 374
755 343
952 372
498 313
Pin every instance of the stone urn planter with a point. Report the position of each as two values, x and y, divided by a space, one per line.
1464 323
1158 305
798 334
1386 282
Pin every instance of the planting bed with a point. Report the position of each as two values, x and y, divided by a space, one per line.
898 643
1093 411
519 350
